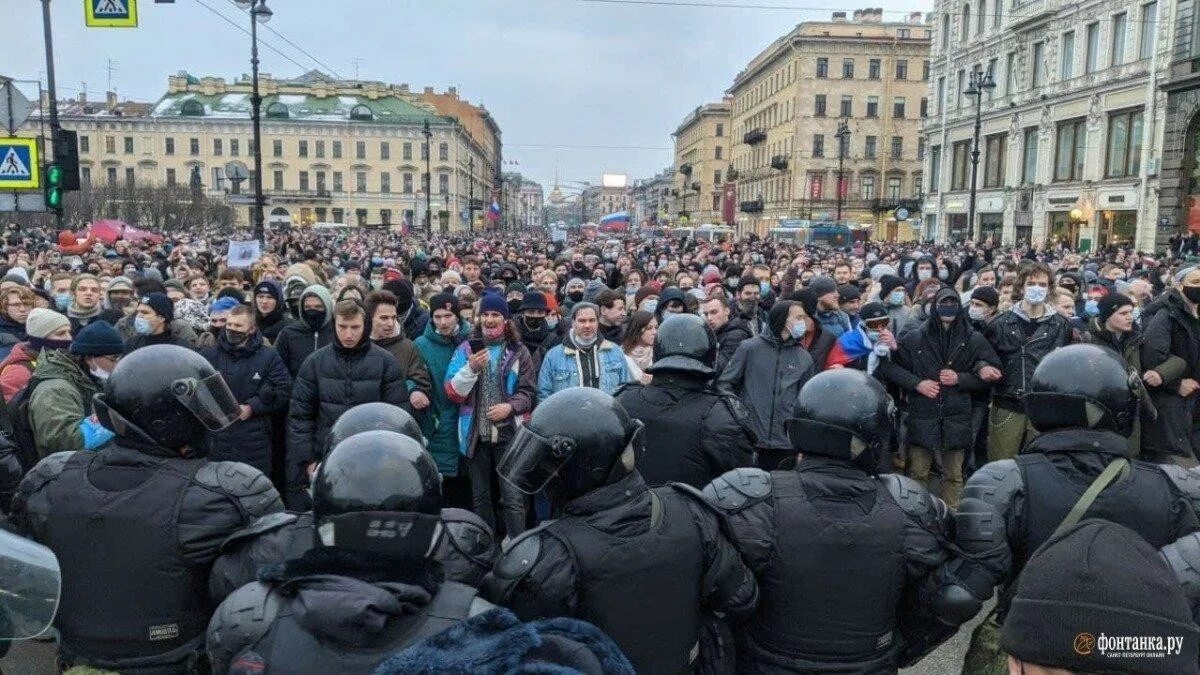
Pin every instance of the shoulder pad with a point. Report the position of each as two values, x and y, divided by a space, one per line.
1183 557
469 534
914 498
1187 480
248 486
45 470
996 484
735 490
240 622
521 555
268 523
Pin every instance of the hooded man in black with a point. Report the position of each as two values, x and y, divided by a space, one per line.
270 310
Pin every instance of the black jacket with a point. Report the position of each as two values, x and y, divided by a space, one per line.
296 341
332 380
271 324
693 432
1020 355
414 322
1172 348
728 338
257 377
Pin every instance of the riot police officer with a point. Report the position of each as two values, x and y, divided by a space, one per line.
693 433
641 564
367 588
466 553
830 534
137 524
1083 402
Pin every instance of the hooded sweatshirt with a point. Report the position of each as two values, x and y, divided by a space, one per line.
299 339
270 325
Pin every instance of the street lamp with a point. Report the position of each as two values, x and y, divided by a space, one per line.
471 198
843 136
980 82
428 177
259 13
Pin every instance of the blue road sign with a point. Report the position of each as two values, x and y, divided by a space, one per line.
19 164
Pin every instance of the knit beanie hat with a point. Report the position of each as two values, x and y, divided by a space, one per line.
446 301
889 283
1086 590
807 298
403 290
161 305
98 338
643 293
848 293
987 295
493 302
822 285
593 288
223 305
1109 305
18 275
777 316
42 322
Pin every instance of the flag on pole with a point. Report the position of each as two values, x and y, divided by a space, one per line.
493 213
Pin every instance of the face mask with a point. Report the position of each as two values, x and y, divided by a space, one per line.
873 335
947 311
142 325
533 323
631 289
649 306
1192 293
976 313
1036 295
1092 308
494 333
575 296
896 298
798 330
551 322
764 289
513 306
924 274
942 274
313 318
731 282
99 373
62 301
236 337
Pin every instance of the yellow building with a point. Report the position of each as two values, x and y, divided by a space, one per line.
702 154
787 105
334 151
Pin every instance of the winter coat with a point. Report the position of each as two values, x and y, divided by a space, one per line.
61 399
766 373
297 340
332 380
1019 356
728 338
944 422
1129 348
414 322
561 370
440 421
416 375
271 324
16 369
517 387
1172 348
257 377
819 343
12 328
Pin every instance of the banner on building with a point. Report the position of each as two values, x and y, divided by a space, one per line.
729 203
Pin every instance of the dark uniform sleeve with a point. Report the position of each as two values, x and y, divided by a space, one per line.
728 440
225 497
239 623
535 578
744 495
263 542
728 585
468 550
30 505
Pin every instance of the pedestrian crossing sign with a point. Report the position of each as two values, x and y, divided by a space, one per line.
110 13
19 164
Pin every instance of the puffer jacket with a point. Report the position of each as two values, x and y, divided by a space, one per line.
1172 348
257 377
766 373
332 380
297 340
440 421
733 333
61 399
1020 356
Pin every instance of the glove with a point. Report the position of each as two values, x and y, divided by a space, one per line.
94 435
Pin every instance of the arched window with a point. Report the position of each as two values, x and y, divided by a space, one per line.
277 109
192 108
979 19
361 112
965 28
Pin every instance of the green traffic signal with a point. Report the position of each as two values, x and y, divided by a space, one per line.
54 189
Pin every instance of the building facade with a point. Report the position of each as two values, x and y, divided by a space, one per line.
350 152
1179 182
1066 151
702 146
788 103
653 203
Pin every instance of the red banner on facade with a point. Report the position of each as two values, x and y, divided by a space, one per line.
816 187
729 203
844 186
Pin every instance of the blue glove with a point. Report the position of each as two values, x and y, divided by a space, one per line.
94 435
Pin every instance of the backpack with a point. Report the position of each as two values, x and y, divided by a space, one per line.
18 427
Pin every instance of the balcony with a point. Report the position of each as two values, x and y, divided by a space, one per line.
754 137
779 162
685 169
300 195
754 206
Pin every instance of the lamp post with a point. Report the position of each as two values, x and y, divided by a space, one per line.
843 136
980 82
428 178
471 197
259 13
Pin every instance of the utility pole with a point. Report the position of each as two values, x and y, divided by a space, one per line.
842 134
428 178
52 94
471 197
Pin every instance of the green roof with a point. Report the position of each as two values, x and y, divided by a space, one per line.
300 108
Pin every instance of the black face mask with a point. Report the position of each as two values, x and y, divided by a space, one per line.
1192 293
236 337
513 306
575 296
314 318
533 323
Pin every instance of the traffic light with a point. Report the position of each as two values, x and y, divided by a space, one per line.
54 187
66 156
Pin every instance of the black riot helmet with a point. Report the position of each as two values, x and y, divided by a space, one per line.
378 492
1082 386
578 437
684 343
845 414
166 396
373 417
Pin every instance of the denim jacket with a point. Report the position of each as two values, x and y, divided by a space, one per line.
561 369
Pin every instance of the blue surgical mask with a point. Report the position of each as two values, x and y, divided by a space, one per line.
896 298
1036 295
1092 308
141 325
551 322
764 288
798 330
62 301
649 305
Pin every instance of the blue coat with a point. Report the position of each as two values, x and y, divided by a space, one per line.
257 377
560 369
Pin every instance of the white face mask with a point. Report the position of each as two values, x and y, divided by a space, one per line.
99 373
976 313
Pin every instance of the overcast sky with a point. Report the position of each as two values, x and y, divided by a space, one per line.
565 73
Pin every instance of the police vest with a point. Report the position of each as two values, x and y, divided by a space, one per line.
128 592
288 648
674 420
831 590
643 591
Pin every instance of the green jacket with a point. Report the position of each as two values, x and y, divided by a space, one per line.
61 400
439 422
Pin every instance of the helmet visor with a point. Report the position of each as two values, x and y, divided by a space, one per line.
209 400
30 581
532 460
